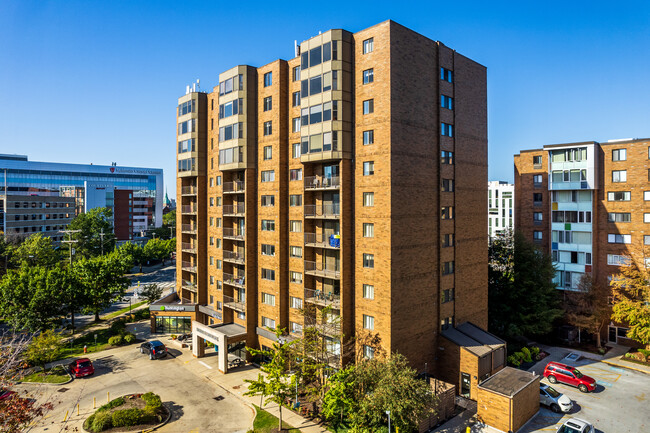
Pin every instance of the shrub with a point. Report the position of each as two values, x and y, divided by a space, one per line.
129 338
118 326
89 422
153 400
526 354
149 414
174 336
103 421
113 403
534 351
514 361
629 355
116 340
645 352
127 417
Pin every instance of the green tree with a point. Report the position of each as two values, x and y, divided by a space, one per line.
36 250
44 348
588 308
276 384
96 232
632 302
522 298
159 249
339 400
5 253
136 252
169 219
151 292
102 280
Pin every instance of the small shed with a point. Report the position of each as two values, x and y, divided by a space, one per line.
508 399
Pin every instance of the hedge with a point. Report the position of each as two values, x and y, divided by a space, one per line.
116 340
103 421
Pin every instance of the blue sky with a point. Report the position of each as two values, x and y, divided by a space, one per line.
85 81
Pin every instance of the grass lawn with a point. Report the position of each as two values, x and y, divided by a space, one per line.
123 310
55 375
265 422
88 340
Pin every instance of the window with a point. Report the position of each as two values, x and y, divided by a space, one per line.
296 73
447 185
447 157
186 145
229 132
368 168
537 216
368 137
186 107
448 240
268 323
537 235
614 238
617 260
211 260
295 174
620 196
295 150
446 129
368 260
447 268
268 152
295 226
211 221
537 197
219 241
268 225
368 322
268 200
446 102
368 199
295 99
268 79
295 328
268 128
619 155
218 180
219 285
446 75
268 176
646 195
447 213
295 200
231 108
295 277
646 240
368 46
211 201
368 76
537 161
447 322
295 251
537 179
368 291
646 217
268 274
619 175
368 230
295 124
268 250
368 106
447 295
268 299
619 217
211 240
218 221
295 302
268 103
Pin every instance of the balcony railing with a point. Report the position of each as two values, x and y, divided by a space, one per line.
234 280
230 233
231 256
188 190
320 182
318 297
322 270
234 304
323 211
329 329
322 241
188 266
235 187
234 210
189 208
188 247
189 285
188 228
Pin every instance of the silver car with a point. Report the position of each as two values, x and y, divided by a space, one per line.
557 401
576 425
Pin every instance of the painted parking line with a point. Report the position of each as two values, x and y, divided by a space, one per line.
205 365
604 383
617 369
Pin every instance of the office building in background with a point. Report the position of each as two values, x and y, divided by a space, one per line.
500 207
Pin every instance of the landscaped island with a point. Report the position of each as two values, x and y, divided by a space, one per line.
134 410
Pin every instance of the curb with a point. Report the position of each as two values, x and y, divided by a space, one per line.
614 364
50 384
150 429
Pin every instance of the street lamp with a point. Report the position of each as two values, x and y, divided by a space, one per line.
388 413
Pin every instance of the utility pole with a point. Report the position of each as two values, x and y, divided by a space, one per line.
70 240
101 237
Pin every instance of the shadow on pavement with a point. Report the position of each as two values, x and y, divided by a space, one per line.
173 353
106 365
176 410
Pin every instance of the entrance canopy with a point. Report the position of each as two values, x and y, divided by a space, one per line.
220 335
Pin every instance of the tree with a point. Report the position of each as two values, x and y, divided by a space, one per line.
159 249
169 219
522 298
340 399
276 383
102 279
44 348
96 232
588 307
151 292
36 250
136 252
631 292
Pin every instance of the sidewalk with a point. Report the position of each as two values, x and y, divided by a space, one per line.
612 357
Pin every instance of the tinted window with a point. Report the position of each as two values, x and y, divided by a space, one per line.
315 56
327 51
304 60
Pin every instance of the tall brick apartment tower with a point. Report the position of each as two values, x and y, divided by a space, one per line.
353 177
586 204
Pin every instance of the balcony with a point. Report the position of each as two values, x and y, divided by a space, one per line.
234 280
234 234
238 210
322 270
188 190
234 304
190 209
189 285
188 247
320 240
233 257
329 329
235 187
320 183
188 228
188 266
323 211
318 297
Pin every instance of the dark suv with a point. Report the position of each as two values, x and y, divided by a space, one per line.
154 348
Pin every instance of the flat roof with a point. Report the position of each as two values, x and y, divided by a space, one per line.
509 381
229 329
473 338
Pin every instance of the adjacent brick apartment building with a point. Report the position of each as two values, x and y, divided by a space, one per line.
336 179
588 205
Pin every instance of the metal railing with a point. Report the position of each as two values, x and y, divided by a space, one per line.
188 266
234 187
320 182
188 228
322 270
321 240
189 285
232 233
238 209
189 208
323 299
234 304
324 210
188 190
234 280
189 247
232 256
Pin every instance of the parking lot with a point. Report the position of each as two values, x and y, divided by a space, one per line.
620 403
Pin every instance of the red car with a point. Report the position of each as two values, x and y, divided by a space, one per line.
556 372
81 367
6 394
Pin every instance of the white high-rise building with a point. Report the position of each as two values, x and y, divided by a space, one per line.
500 207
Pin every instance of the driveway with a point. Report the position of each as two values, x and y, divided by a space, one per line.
125 370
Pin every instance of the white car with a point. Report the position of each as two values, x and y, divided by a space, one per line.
557 401
576 425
